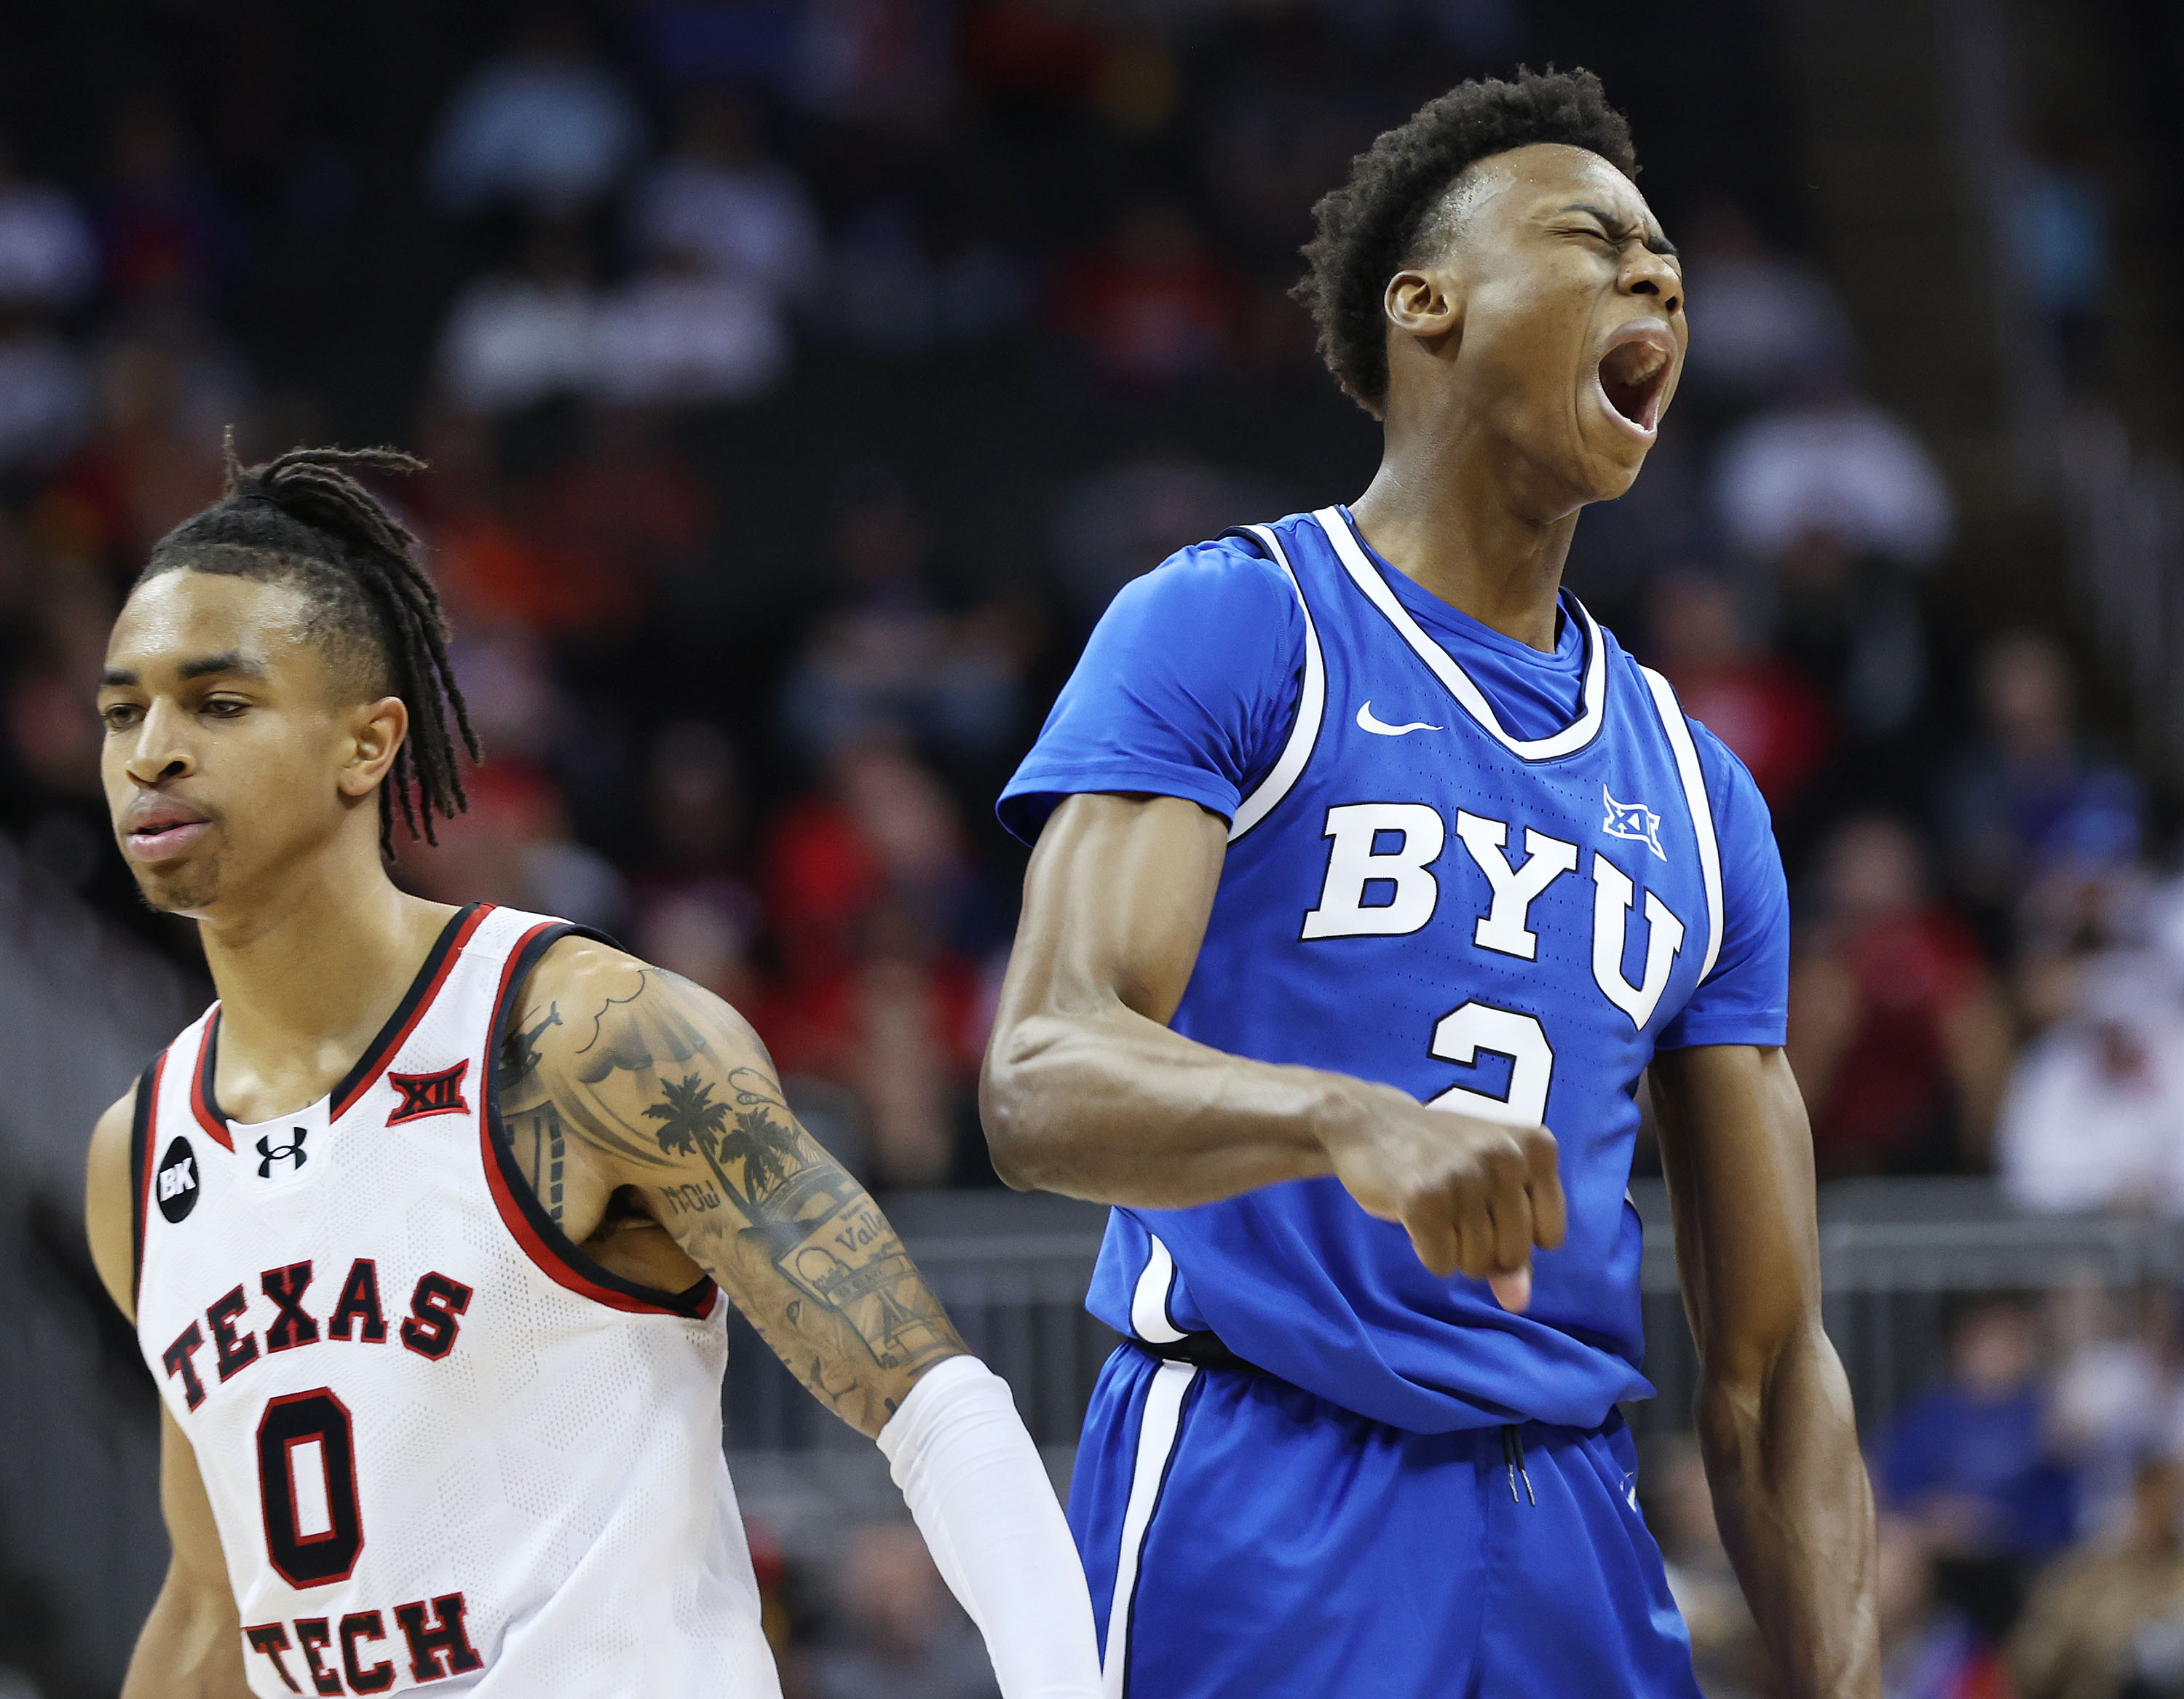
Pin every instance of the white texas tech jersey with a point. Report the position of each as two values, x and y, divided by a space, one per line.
444 1448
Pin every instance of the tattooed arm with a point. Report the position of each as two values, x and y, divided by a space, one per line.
646 1114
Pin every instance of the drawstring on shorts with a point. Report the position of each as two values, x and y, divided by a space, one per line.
1512 1456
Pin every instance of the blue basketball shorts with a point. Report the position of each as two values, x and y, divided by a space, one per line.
1246 1540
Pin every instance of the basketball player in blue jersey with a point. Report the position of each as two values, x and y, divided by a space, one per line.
1372 878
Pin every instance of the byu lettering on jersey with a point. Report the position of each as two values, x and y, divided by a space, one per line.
1494 878
444 1448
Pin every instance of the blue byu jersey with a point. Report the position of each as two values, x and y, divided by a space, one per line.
1497 878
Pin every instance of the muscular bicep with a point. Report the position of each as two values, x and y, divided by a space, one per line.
668 1090
1116 904
1738 1155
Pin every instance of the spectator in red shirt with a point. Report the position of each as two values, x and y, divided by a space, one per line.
858 887
1896 1033
1155 302
163 227
1775 723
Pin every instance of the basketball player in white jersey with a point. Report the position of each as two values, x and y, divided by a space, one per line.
428 1226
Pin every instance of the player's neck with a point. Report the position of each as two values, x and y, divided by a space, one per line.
1450 524
308 971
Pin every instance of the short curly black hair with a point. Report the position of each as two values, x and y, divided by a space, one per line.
1369 229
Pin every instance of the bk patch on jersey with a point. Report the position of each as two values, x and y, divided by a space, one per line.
176 1184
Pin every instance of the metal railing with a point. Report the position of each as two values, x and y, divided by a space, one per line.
1892 1255
1013 1272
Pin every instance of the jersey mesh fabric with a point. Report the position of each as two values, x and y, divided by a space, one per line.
558 1466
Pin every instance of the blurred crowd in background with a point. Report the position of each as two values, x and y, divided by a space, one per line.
798 378
2031 1537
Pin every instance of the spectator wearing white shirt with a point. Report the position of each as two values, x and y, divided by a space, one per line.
2094 1115
720 201
48 257
677 337
1842 466
48 263
513 338
545 125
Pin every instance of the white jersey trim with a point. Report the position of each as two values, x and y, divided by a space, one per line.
1158 1429
1469 697
1149 1316
1311 704
1695 793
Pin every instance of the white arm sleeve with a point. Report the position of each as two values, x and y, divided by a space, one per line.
974 1481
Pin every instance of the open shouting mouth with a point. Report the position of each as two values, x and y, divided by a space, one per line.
1633 374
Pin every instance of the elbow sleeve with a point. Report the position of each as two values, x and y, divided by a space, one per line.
980 1495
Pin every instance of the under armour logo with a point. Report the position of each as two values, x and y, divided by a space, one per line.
1634 820
292 1153
429 1093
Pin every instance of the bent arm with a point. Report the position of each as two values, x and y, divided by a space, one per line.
191 1646
1087 1091
1774 1418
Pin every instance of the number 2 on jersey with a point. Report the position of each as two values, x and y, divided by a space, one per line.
1461 1033
306 1482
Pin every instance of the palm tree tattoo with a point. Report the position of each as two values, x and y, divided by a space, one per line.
650 1080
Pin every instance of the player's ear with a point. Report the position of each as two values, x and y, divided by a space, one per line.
1425 302
376 733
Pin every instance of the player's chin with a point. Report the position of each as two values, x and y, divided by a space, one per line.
1614 451
1602 471
186 890
1615 476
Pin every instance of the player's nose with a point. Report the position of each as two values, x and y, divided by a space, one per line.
1654 277
159 754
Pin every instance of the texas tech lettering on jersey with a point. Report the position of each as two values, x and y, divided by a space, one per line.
436 1307
432 1632
422 1415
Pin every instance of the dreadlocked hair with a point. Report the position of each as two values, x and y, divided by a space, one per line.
302 518
1371 227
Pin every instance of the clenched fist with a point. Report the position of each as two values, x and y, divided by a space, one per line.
1475 1196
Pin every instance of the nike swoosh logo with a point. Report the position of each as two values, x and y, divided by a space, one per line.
1367 722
